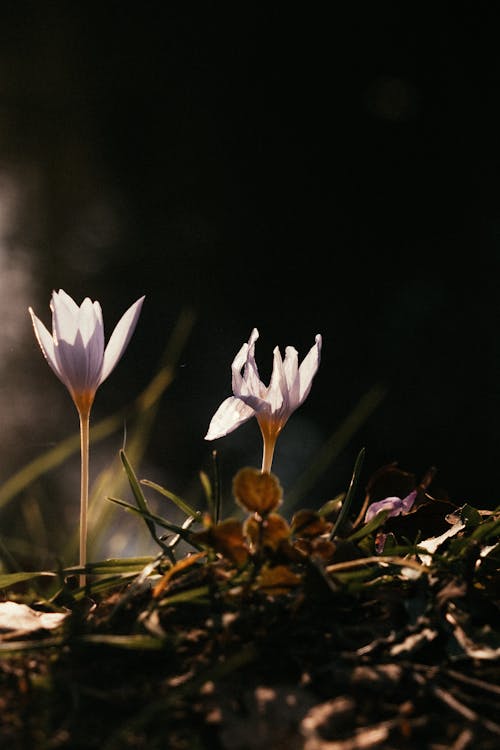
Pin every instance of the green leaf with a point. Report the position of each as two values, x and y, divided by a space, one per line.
104 584
188 510
129 642
370 527
350 492
13 647
199 595
10 579
470 516
333 505
112 565
486 531
207 489
143 505
183 533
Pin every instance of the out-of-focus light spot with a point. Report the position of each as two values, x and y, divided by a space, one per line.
15 279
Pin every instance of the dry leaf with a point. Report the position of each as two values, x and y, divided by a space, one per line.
23 619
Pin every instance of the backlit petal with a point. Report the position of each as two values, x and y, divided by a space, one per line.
120 338
272 405
277 393
75 351
90 328
309 368
64 317
244 356
73 363
232 413
46 342
290 367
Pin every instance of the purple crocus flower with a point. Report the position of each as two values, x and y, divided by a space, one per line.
395 505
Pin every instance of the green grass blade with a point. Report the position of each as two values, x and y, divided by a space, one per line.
369 527
153 518
216 493
350 492
111 565
10 579
143 504
130 642
188 510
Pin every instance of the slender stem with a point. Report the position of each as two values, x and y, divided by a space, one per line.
269 440
84 488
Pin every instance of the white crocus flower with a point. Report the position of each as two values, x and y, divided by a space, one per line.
272 405
75 351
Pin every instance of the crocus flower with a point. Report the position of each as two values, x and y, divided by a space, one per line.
395 505
272 405
75 351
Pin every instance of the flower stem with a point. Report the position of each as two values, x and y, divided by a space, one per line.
84 488
268 451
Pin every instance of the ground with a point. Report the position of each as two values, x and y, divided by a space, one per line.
304 635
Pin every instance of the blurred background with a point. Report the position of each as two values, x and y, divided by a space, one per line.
299 171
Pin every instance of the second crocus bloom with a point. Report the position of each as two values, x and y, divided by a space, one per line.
272 405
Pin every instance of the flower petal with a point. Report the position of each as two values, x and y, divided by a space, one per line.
291 370
309 368
242 359
395 505
91 336
70 350
271 405
64 317
46 343
120 338
73 364
232 413
277 393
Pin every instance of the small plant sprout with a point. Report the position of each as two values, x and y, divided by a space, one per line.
272 405
76 353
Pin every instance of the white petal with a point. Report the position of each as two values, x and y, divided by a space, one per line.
277 393
70 350
64 317
290 365
231 414
236 366
87 320
120 338
46 343
309 368
73 364
257 404
251 341
251 384
91 333
68 301
241 360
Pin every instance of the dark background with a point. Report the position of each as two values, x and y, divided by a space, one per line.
301 171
